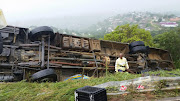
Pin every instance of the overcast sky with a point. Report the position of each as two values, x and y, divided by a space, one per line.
21 11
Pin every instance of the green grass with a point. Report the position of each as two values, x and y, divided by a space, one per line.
60 91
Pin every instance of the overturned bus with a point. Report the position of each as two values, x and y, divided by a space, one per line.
40 54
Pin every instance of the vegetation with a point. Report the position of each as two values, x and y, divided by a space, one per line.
61 91
170 41
130 33
145 20
147 96
167 38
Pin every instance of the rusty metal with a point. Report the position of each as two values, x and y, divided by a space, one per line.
10 29
96 70
106 60
87 56
39 52
28 63
109 66
29 45
42 53
48 51
72 55
95 45
54 47
10 46
5 72
128 70
86 68
72 59
65 63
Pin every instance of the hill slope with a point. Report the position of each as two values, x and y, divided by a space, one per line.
145 20
60 91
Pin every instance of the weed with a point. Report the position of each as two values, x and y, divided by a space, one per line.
64 91
112 89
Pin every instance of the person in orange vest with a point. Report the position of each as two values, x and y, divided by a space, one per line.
121 63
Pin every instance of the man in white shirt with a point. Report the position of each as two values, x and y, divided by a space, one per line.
121 63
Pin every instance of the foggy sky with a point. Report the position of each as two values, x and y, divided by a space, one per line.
29 12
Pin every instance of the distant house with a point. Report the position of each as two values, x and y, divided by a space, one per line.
148 29
64 32
109 29
168 24
155 18
175 19
98 29
74 33
163 19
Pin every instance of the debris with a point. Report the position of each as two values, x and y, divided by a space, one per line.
89 93
123 88
33 50
144 84
78 76
140 87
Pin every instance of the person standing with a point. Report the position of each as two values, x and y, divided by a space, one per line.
121 63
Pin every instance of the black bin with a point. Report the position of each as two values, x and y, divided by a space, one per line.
89 93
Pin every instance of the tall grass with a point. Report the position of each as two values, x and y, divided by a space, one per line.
60 91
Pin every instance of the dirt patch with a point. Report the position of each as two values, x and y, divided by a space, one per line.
148 96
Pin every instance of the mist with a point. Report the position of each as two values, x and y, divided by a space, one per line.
75 14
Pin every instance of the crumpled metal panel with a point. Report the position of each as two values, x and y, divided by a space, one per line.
6 52
10 29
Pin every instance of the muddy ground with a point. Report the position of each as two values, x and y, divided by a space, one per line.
148 96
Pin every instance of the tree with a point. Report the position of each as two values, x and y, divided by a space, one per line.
128 34
160 19
170 41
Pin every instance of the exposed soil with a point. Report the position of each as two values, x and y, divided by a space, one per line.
148 96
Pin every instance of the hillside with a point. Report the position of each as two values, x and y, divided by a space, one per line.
145 20
64 91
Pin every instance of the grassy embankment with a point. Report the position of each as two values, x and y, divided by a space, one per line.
61 91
